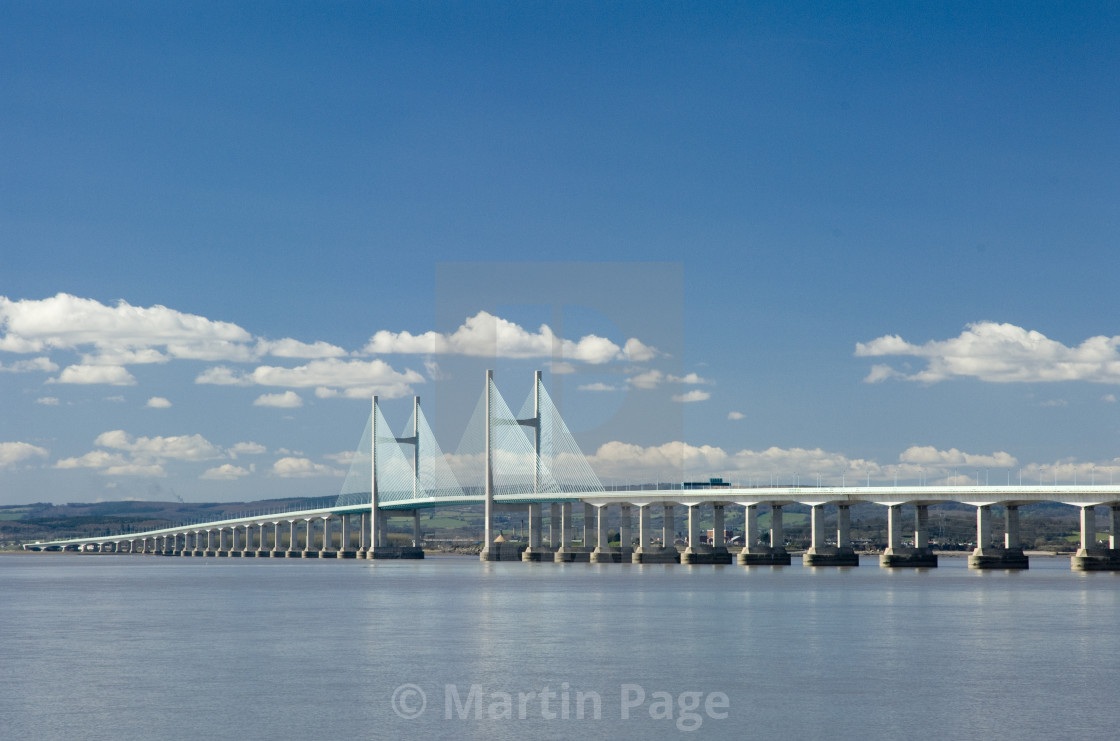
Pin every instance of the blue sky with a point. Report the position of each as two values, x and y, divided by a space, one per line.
850 239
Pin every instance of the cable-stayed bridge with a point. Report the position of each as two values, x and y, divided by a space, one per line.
529 460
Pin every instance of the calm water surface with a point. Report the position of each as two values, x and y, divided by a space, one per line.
146 647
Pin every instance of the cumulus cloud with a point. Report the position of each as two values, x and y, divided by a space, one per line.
999 353
598 387
247 448
225 472
735 415
158 402
692 396
47 401
292 467
175 447
647 380
690 379
330 377
145 334
286 400
27 366
12 454
626 460
486 335
112 375
928 455
1109 398
289 348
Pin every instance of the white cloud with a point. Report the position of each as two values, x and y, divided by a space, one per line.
175 447
690 379
286 400
927 455
345 458
247 448
598 387
112 375
14 453
289 348
69 322
121 454
434 371
735 415
291 467
158 402
691 396
1110 398
625 460
47 401
560 368
225 472
486 335
638 352
647 380
113 464
1054 403
351 378
27 366
1000 353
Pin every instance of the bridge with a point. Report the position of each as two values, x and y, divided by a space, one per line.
529 461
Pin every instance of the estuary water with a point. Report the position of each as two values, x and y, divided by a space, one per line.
132 647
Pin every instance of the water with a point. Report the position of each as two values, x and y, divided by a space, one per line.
145 647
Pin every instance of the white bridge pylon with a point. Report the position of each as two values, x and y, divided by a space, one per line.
532 455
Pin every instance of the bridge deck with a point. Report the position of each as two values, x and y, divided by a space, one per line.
1077 495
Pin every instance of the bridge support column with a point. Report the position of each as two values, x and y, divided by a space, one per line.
247 549
603 553
346 546
554 525
293 550
647 552
263 551
754 554
537 551
898 554
211 546
703 553
990 556
625 537
1090 556
326 550
822 554
416 536
363 535
235 544
567 553
309 550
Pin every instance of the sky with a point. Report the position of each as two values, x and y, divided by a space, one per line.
796 242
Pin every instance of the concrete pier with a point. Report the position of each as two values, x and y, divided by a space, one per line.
754 554
647 552
1092 556
567 553
697 553
899 555
821 554
989 556
603 553
537 551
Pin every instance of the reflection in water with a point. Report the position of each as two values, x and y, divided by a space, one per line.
122 645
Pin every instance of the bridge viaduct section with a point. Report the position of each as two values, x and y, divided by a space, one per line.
399 487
